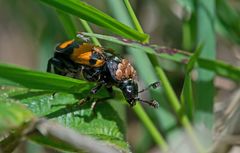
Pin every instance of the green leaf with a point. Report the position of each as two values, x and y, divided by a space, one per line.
40 80
91 14
103 123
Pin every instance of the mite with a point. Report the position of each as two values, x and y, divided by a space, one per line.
97 64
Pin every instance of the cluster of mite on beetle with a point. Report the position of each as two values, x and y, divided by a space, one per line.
100 65
125 70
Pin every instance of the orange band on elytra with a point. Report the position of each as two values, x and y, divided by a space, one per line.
65 44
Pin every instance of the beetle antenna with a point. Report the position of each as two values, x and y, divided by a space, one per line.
153 85
152 103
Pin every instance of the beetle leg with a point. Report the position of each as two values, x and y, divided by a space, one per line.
71 66
96 73
58 66
89 97
94 104
49 65
93 108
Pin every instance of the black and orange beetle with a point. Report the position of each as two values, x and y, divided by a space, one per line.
74 58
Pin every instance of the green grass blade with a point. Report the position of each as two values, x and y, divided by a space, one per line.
187 100
193 59
219 67
183 119
68 24
87 28
150 126
228 17
40 80
91 14
70 27
133 16
204 84
151 49
187 97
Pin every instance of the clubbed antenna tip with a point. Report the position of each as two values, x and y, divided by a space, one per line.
153 85
155 104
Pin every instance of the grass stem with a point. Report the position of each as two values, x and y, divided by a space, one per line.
168 88
87 28
138 109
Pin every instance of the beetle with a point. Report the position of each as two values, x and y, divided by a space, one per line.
97 64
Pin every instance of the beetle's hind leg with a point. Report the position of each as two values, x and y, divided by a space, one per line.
52 62
58 66
49 65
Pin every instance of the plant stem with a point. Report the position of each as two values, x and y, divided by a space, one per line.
138 108
177 108
133 16
168 88
88 29
150 126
